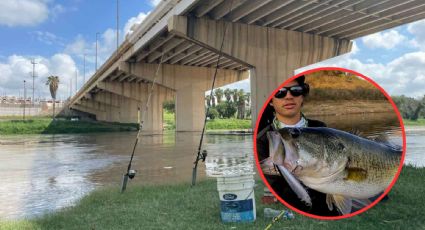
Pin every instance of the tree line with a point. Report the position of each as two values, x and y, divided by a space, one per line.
410 108
229 103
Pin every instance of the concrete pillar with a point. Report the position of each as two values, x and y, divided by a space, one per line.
190 108
119 102
273 53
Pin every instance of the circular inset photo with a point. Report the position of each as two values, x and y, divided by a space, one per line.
329 143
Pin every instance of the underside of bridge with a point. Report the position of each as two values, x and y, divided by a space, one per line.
264 39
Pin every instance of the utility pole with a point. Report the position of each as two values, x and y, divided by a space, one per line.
76 78
33 78
84 70
25 96
118 25
97 34
70 87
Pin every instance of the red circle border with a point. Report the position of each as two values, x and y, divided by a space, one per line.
386 190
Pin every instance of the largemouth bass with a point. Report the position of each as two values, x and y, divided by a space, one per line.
344 166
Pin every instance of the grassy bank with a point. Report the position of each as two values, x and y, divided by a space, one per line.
228 124
419 122
182 207
169 121
216 124
48 126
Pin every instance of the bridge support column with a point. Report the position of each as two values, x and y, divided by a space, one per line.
125 98
190 108
274 53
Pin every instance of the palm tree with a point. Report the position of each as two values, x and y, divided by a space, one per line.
248 98
235 95
208 99
53 83
219 94
241 104
228 94
248 104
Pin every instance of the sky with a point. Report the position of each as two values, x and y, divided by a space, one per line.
57 34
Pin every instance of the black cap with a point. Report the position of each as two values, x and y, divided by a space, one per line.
300 80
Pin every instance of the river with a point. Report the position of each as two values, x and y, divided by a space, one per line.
43 173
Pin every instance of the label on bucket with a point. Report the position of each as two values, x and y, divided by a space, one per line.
237 211
230 196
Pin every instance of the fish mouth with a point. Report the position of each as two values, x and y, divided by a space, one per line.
290 161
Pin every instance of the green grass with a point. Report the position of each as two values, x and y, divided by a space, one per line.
6 118
216 124
169 121
182 207
419 122
228 124
47 126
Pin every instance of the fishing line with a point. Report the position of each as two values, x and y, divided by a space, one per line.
202 156
132 173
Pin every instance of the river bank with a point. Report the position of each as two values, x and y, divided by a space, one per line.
44 125
344 107
417 123
183 207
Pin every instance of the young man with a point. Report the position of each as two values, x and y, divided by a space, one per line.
284 110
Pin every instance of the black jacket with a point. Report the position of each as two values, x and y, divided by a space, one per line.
281 187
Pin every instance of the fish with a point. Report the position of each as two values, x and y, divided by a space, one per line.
349 169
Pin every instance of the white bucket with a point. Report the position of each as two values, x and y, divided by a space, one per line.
237 199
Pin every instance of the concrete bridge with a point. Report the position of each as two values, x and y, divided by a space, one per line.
264 39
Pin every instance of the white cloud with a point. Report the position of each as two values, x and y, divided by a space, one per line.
23 12
57 10
134 20
15 69
355 49
77 47
106 43
48 38
417 29
387 39
155 2
403 75
80 46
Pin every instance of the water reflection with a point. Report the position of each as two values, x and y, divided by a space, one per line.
415 154
43 173
368 124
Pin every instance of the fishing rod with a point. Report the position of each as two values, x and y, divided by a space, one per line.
203 155
131 173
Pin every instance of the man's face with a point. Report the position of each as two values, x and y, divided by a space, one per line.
288 106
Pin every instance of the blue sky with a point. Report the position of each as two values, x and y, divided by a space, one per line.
58 32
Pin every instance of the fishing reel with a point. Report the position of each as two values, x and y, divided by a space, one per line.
203 155
131 173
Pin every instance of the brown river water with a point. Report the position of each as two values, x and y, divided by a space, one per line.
43 173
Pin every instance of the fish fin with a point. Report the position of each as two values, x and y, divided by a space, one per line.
295 185
357 133
360 203
383 138
329 202
343 204
355 174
